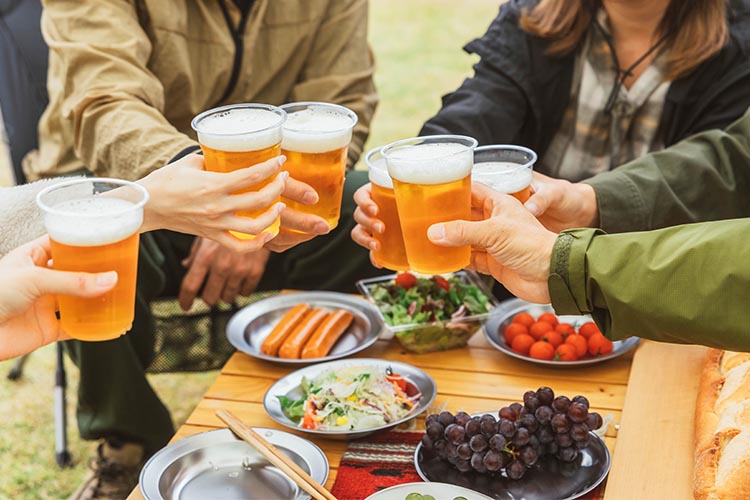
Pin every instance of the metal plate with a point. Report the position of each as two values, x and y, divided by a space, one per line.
217 464
250 326
502 315
438 490
289 386
549 479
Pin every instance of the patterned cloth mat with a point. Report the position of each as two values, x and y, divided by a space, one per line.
382 460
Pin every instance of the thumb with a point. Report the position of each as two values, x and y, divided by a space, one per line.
538 203
50 281
458 233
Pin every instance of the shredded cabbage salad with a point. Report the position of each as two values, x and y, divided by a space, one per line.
352 398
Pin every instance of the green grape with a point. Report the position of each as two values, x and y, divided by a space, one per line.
414 496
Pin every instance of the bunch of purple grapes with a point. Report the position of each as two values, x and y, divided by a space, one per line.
514 442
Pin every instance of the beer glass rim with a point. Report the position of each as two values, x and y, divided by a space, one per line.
104 180
306 104
372 153
532 154
465 140
195 123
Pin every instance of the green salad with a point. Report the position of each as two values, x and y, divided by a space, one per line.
409 299
431 313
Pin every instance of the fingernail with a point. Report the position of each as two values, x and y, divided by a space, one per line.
379 227
280 207
284 176
374 245
436 232
322 228
310 198
282 160
532 207
373 210
106 279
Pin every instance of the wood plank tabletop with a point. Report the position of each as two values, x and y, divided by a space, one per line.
476 378
654 455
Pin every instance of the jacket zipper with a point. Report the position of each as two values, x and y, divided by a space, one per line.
238 34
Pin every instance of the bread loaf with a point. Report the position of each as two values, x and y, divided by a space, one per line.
722 428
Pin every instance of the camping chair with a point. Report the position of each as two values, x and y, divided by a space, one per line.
23 97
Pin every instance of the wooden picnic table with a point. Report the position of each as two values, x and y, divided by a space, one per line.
650 392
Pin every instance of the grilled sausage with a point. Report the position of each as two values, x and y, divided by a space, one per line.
292 346
327 334
283 329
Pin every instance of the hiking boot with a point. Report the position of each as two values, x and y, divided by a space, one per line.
114 472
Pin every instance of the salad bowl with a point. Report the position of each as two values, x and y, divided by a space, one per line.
290 391
429 314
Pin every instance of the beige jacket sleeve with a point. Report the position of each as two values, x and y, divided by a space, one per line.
340 68
21 220
98 60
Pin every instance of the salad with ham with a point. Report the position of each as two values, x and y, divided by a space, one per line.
354 398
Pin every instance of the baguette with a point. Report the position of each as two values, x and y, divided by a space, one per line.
292 346
327 334
284 328
722 428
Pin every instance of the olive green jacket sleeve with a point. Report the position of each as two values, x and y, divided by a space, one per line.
705 177
684 284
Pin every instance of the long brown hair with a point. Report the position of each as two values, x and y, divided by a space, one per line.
695 29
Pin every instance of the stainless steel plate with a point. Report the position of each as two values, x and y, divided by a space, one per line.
289 386
502 315
217 464
250 326
437 490
549 479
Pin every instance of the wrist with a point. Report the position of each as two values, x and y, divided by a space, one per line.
150 210
588 210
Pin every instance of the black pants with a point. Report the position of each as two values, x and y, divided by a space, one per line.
114 396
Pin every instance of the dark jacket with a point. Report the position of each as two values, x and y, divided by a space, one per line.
518 94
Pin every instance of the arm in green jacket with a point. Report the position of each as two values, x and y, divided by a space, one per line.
705 177
685 284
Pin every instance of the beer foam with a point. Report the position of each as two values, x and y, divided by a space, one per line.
502 176
92 221
378 173
431 163
317 129
240 129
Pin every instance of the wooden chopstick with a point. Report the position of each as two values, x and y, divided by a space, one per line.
277 458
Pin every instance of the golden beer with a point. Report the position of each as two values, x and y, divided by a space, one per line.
506 169
432 181
95 234
316 141
239 136
392 253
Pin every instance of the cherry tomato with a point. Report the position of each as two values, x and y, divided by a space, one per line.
542 350
406 280
442 283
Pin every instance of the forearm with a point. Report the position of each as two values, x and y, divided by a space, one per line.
705 177
685 284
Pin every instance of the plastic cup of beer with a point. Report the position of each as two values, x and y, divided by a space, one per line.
432 181
239 136
316 141
93 225
505 168
392 253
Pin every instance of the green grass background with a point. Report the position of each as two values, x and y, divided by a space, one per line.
419 58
